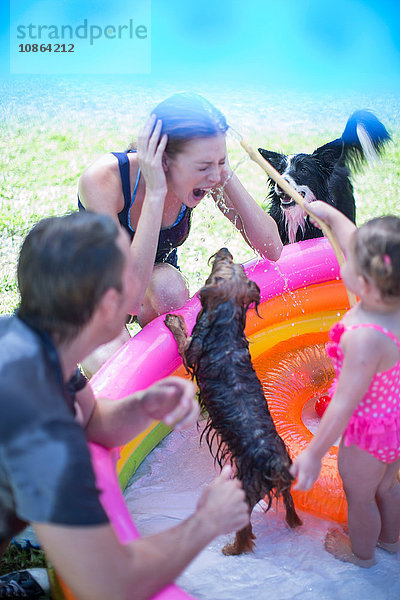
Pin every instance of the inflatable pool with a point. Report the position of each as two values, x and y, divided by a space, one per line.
301 298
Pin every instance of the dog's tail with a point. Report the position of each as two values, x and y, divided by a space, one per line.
363 138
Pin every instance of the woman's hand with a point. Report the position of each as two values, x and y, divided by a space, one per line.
150 150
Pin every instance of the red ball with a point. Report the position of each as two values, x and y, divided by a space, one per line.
321 405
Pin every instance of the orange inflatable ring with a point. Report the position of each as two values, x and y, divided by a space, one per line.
302 297
308 315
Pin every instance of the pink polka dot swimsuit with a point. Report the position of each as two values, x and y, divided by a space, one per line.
375 423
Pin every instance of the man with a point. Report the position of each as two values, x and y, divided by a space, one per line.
74 276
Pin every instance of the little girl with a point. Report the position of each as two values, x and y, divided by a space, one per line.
365 407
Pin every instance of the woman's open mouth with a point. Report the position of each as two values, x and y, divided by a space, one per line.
199 193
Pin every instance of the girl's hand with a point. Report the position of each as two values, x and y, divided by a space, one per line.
342 227
305 469
322 210
150 150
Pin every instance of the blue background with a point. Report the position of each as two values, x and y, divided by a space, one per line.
291 44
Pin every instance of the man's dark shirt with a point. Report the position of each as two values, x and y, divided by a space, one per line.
46 474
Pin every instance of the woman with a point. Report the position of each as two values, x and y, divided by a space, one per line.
152 190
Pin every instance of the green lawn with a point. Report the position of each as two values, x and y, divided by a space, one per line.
15 559
49 135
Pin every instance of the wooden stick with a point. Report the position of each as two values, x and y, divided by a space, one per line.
298 198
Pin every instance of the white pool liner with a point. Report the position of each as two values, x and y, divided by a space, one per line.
286 564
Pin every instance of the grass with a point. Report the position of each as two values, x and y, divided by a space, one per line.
52 129
16 558
43 152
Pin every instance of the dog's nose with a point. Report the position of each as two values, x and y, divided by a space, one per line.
223 253
279 190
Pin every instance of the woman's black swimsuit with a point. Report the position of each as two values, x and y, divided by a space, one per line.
170 237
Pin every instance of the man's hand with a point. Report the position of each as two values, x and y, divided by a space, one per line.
171 400
224 503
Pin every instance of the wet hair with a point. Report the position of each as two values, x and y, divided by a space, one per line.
377 252
65 266
186 116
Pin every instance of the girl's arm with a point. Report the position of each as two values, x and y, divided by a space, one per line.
342 227
257 227
361 362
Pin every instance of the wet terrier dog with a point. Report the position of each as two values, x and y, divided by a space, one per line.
323 175
217 356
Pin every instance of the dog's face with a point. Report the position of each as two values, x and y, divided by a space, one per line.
228 281
308 174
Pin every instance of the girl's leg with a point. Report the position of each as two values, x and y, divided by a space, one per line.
166 292
361 474
388 501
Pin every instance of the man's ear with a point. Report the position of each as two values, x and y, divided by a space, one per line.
108 305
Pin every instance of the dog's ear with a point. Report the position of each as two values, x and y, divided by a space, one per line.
328 155
217 290
278 161
253 294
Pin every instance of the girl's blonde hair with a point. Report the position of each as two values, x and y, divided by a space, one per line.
377 251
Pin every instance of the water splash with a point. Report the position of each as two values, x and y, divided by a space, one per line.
234 134
220 201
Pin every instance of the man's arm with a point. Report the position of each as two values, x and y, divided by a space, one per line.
96 567
114 423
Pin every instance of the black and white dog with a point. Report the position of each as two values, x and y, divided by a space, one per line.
323 175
